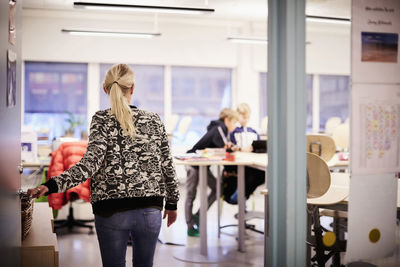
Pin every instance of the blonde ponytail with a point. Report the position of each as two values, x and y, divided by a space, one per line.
117 83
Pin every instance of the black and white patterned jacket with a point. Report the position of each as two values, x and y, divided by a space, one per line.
125 173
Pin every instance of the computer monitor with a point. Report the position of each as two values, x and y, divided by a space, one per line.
259 146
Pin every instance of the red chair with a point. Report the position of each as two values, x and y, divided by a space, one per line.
67 155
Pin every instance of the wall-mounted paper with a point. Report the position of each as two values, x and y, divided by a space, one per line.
372 217
12 4
375 140
11 78
375 41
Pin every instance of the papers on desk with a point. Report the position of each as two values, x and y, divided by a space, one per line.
198 157
207 154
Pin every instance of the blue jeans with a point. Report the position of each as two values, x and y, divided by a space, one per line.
113 233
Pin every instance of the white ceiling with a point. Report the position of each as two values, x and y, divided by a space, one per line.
244 10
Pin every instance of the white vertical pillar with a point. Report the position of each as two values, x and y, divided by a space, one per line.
286 133
167 91
315 107
235 87
93 91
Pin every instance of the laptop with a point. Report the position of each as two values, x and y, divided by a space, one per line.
259 146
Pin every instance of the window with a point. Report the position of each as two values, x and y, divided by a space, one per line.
309 96
149 88
334 98
200 93
55 93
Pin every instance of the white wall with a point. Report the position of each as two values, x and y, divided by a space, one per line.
184 41
327 50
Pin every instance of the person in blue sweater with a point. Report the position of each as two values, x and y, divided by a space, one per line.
217 136
242 138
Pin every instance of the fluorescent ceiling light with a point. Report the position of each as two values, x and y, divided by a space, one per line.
248 40
143 8
329 20
252 40
110 33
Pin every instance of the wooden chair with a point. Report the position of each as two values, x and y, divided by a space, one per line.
321 145
318 176
318 184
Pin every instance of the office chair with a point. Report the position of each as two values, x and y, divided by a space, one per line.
63 158
229 188
71 222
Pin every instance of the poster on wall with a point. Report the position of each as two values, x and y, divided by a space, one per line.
11 78
375 41
12 14
372 220
375 125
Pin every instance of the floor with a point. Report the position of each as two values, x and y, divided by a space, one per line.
78 248
81 249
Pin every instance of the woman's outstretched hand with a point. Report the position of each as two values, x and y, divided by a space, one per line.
38 191
172 214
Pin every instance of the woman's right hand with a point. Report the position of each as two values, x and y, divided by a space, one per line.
38 191
172 214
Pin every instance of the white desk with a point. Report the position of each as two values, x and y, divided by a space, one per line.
37 164
336 163
242 159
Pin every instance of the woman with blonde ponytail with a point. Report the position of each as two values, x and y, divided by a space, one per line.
128 159
119 84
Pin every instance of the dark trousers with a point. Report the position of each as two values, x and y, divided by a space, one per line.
253 179
192 181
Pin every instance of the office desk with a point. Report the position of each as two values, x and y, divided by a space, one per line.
242 159
336 164
35 164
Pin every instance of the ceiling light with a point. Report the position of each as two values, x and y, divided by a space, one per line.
329 20
248 40
143 8
252 40
110 33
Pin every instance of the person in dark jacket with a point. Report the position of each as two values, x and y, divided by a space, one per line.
129 162
217 136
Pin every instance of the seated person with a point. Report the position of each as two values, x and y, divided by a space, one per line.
216 137
242 138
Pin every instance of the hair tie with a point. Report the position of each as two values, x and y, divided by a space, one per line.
115 82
